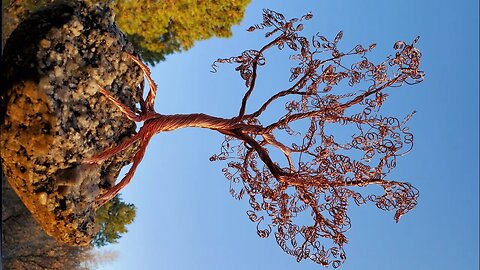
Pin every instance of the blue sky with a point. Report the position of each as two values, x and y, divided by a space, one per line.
186 218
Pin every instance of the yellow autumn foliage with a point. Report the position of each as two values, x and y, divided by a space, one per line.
159 28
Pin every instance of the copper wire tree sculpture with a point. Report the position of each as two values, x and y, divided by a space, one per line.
319 176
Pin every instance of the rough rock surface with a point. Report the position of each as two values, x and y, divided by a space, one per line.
52 116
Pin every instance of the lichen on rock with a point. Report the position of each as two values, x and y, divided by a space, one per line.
52 116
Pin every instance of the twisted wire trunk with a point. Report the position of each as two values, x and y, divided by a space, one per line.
157 123
163 123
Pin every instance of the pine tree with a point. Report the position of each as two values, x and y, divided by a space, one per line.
112 218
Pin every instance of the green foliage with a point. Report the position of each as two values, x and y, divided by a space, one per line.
112 218
34 5
158 28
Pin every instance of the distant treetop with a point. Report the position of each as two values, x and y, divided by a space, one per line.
112 218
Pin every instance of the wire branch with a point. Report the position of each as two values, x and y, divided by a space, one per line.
328 172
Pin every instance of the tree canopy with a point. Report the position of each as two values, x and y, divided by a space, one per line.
159 28
318 174
112 218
